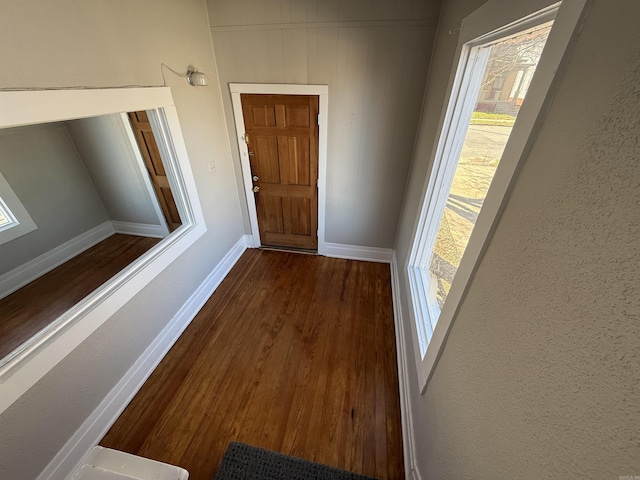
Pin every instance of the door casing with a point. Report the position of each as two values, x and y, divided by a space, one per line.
322 91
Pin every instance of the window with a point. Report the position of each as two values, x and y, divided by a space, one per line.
15 221
479 147
7 220
492 90
474 163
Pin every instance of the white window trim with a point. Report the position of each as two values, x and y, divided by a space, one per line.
22 221
493 19
24 367
468 78
322 91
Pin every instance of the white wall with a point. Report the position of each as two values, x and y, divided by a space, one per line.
540 375
374 56
108 155
42 167
111 44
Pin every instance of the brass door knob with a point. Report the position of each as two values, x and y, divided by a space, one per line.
256 189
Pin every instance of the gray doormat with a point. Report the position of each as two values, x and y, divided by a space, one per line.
244 462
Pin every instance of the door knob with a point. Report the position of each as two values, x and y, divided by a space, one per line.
255 178
256 189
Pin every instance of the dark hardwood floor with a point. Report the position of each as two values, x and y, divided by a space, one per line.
28 310
294 353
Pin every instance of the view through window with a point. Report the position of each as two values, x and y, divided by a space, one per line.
489 89
507 76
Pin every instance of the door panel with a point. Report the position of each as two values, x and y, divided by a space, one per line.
282 136
263 115
272 212
295 161
266 157
297 116
300 215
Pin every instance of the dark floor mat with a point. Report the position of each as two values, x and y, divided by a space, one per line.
244 462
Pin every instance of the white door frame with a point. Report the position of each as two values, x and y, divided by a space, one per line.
282 89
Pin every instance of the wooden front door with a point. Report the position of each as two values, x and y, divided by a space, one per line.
153 162
282 138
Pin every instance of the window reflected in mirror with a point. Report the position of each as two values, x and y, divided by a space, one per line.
97 197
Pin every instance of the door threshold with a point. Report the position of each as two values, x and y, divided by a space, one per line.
276 248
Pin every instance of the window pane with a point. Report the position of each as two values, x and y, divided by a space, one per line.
504 85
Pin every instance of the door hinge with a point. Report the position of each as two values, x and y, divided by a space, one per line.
317 233
318 119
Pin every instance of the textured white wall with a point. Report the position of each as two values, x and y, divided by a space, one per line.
63 43
108 155
41 165
374 56
540 375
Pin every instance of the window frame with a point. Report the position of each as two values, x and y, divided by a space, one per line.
493 21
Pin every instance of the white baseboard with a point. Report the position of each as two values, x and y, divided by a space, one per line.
24 274
248 241
355 252
28 272
408 438
101 419
139 229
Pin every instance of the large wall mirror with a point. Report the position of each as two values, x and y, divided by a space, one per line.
96 198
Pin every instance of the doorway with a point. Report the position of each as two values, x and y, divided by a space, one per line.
282 140
281 132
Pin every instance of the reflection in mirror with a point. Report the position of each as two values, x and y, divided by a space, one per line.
85 202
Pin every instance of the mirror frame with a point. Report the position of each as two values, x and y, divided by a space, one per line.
22 368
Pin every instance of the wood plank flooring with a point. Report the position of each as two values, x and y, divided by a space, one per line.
294 353
28 310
